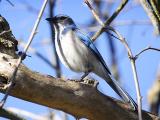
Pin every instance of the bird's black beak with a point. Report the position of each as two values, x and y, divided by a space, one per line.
49 19
52 20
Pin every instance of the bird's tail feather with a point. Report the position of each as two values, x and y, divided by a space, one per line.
121 92
117 88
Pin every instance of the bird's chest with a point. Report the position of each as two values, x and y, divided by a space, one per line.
72 52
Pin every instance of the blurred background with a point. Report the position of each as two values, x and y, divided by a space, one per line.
132 22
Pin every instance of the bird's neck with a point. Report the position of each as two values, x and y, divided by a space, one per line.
62 29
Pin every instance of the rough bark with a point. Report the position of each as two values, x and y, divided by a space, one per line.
78 99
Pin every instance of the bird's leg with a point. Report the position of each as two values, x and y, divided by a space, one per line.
84 75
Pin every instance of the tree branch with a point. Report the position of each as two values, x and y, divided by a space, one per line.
10 115
151 15
109 20
78 99
145 49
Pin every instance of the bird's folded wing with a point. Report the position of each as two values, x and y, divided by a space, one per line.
87 41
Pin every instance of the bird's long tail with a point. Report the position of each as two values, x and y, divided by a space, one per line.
121 92
118 89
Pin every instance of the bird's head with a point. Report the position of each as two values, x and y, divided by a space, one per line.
61 20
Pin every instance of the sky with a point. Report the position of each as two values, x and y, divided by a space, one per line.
22 18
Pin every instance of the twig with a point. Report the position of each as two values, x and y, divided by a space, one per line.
94 12
97 17
151 15
109 20
145 49
28 6
94 28
32 50
155 9
12 78
10 3
10 115
132 60
30 115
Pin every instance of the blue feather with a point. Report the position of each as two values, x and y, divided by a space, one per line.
88 42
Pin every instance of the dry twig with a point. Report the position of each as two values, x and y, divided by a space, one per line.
146 49
10 3
151 15
110 19
38 54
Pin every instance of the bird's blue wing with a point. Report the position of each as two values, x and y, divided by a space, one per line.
87 41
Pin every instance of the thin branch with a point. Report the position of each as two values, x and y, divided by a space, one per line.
38 54
108 21
146 49
105 15
155 9
132 60
11 81
94 28
30 115
10 115
45 60
94 12
97 17
30 8
35 26
151 15
10 3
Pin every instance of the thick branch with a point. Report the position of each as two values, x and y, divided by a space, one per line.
78 99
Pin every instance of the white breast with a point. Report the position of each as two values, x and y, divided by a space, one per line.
73 53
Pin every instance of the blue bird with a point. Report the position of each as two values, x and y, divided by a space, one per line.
77 52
